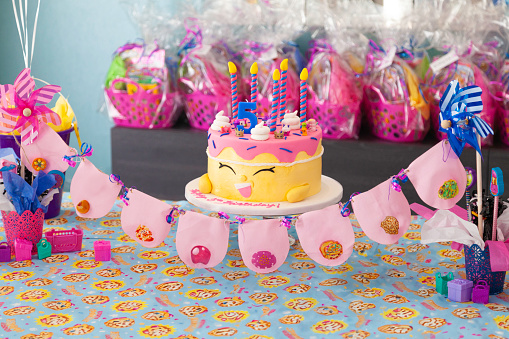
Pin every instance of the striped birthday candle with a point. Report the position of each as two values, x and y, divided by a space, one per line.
282 97
254 85
235 99
275 100
303 94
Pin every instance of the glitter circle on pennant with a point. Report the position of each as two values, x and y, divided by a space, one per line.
144 234
200 255
39 164
263 259
390 225
83 206
59 178
331 249
448 190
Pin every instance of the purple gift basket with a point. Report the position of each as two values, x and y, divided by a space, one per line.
478 267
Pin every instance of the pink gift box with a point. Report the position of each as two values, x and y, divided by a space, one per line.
23 249
102 249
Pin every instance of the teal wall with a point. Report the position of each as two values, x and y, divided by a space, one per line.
73 48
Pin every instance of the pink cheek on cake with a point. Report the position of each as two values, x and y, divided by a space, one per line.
244 189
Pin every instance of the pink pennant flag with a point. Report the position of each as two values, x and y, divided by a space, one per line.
383 213
92 192
331 244
438 176
46 152
144 219
201 241
263 244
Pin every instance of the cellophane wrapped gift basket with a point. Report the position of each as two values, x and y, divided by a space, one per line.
203 74
141 83
265 38
139 89
395 107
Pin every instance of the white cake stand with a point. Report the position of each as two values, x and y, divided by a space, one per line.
331 193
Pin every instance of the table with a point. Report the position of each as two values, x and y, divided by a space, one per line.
381 291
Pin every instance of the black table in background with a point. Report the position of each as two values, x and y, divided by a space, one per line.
162 162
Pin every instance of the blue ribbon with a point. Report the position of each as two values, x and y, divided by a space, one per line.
459 106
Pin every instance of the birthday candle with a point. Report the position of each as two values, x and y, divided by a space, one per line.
235 99
254 85
303 94
282 101
275 100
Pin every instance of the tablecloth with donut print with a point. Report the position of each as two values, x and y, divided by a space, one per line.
380 292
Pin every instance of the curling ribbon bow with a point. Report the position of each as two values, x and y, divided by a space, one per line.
401 176
458 107
116 179
345 211
286 222
223 215
240 220
170 218
86 151
192 39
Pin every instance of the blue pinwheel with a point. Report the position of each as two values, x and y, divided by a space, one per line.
458 107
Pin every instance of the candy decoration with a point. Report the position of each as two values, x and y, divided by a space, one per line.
275 100
200 255
254 84
282 101
497 189
303 94
235 99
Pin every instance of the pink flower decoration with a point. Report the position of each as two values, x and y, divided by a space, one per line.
26 116
263 259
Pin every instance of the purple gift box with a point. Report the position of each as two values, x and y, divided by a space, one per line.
5 252
460 290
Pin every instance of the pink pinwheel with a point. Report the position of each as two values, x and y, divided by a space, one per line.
25 116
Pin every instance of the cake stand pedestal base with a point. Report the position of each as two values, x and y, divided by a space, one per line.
331 193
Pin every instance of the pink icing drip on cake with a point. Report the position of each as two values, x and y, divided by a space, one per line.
283 150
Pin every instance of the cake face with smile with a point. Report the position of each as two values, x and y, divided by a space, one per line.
271 170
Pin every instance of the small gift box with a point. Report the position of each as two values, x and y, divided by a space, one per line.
460 290
102 250
23 249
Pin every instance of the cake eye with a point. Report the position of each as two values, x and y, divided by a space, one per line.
265 169
223 165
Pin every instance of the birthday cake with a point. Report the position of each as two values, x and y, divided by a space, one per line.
264 166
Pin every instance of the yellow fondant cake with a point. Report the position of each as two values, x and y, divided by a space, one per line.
259 167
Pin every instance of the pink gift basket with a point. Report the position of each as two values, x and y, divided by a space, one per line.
467 74
144 108
394 105
335 93
28 226
203 78
138 88
500 91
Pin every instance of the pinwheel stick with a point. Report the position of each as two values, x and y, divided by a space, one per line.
478 163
